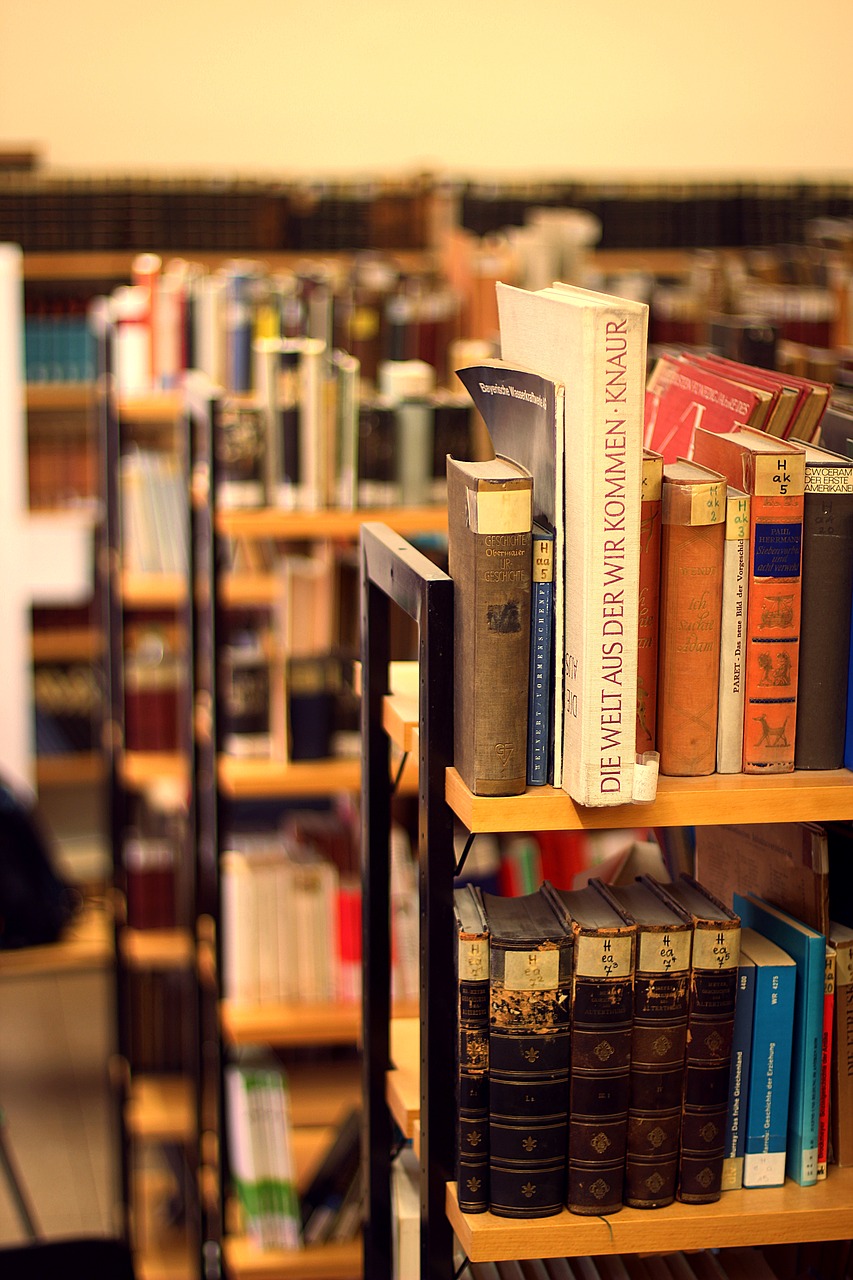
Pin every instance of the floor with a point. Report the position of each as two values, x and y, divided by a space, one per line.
55 1040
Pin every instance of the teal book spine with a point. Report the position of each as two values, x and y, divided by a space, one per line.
770 1074
739 1077
808 949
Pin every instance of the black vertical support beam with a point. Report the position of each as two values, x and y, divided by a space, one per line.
392 571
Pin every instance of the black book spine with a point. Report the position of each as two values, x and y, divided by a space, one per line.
528 1078
472 1137
602 1019
658 1047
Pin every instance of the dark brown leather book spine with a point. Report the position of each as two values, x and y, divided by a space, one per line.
827 584
472 1145
490 561
529 1020
649 612
710 1022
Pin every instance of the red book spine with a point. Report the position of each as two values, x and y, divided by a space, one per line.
649 612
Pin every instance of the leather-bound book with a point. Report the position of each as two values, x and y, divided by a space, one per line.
472 1061
602 1020
825 620
530 961
693 506
710 1025
489 557
772 472
658 1044
649 614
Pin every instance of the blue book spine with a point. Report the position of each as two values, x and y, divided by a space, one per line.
739 1077
770 1075
539 720
808 949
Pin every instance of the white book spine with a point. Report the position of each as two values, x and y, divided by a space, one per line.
733 634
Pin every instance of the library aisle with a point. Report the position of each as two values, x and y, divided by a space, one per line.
55 1095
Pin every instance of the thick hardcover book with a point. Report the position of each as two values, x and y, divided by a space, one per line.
649 606
769 1074
523 413
540 724
841 1092
658 1044
732 1175
680 396
693 516
472 1049
826 1061
489 557
602 1021
710 1025
595 345
733 633
785 862
772 472
530 962
808 949
825 620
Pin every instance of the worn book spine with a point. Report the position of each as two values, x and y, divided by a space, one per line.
692 540
529 1021
649 601
733 633
602 1023
827 586
472 1146
841 1097
539 720
732 1175
825 1062
489 554
658 1047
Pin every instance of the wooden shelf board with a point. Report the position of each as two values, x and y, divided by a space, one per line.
139 769
152 590
253 778
162 949
58 397
329 523
87 944
803 796
153 407
771 1215
70 769
321 1095
161 1109
245 1261
290 1024
403 1081
400 721
92 264
175 1262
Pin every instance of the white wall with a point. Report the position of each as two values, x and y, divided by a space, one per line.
333 86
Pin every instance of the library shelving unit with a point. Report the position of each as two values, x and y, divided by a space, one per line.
322 1089
150 815
393 573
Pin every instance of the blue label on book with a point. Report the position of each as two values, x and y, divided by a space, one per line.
777 550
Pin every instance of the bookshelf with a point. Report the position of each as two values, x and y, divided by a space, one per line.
397 1058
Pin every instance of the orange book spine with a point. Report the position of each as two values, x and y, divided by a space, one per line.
649 612
773 632
691 577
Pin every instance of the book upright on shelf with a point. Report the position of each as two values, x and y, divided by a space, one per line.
733 632
595 344
732 1176
489 557
472 1062
648 625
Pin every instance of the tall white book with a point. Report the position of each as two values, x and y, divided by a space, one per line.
733 633
595 344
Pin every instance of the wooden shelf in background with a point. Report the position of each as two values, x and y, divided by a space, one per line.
294 1024
74 644
244 1261
154 408
152 590
802 796
161 949
760 1215
161 1109
59 397
86 944
71 769
403 1081
139 769
115 265
329 523
244 778
322 1094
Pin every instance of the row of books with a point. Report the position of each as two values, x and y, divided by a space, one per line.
67 705
154 534
58 343
291 925
639 1043
62 466
611 644
717 1264
276 1213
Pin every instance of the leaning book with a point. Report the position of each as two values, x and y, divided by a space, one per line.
595 344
